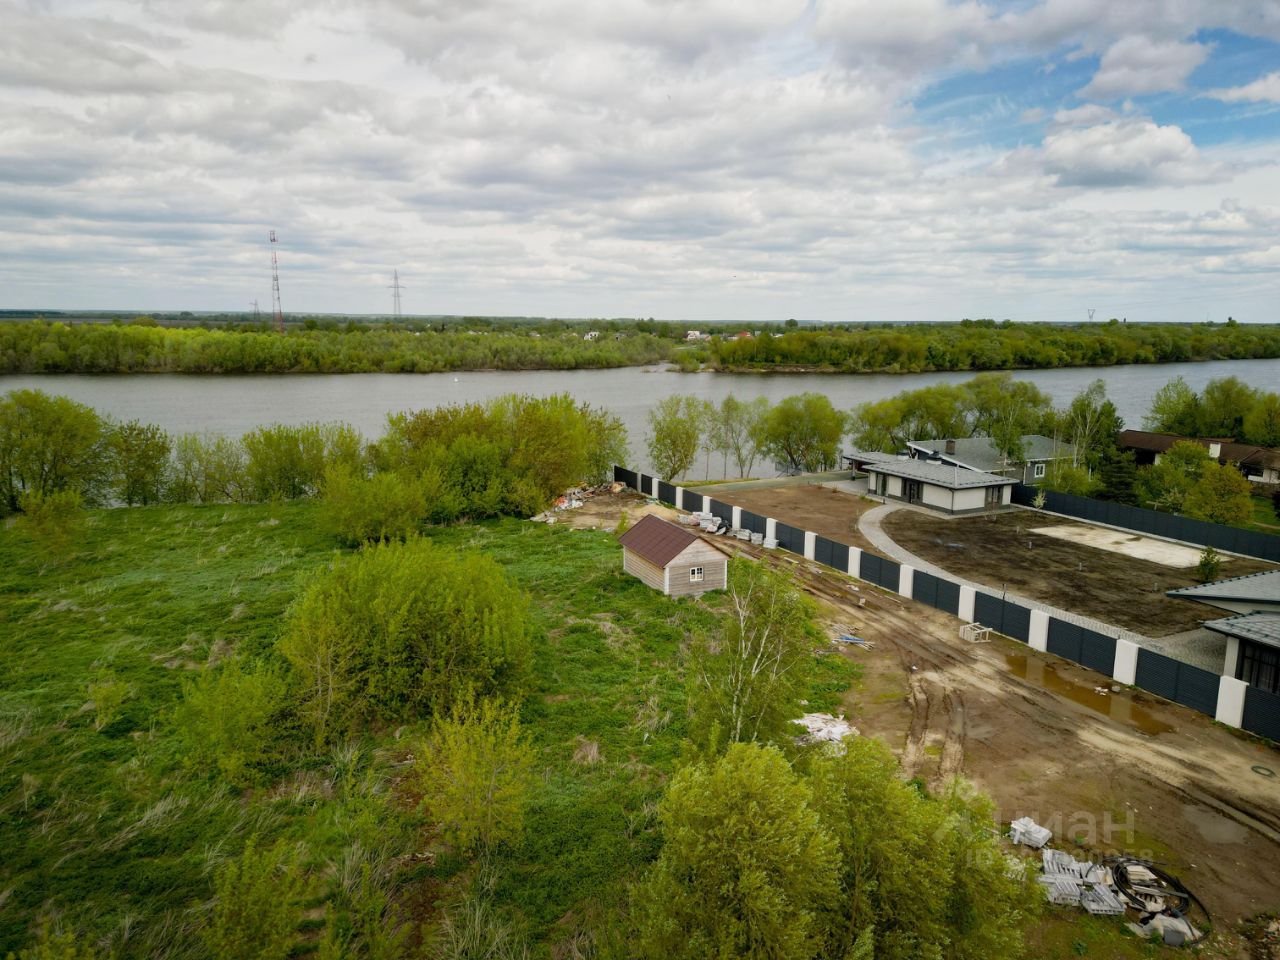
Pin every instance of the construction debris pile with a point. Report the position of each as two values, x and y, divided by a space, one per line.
1116 887
825 728
710 523
575 498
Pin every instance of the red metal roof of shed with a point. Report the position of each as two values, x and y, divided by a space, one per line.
656 540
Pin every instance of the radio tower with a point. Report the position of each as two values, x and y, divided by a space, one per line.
395 293
277 313
256 315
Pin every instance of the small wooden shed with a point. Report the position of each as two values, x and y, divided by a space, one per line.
673 559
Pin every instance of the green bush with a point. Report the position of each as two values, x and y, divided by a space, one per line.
139 462
54 521
474 772
48 445
404 630
255 913
385 506
285 462
108 695
229 719
55 946
207 470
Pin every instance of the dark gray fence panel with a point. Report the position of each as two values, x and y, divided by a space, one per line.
1017 622
1261 713
646 483
1097 651
822 550
924 587
1142 520
870 567
1197 689
753 521
989 611
1064 639
888 574
623 475
840 556
1157 673
722 510
948 596
790 538
666 492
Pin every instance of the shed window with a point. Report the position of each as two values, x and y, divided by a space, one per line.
1039 470
695 574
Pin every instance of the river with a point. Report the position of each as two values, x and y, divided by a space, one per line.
233 404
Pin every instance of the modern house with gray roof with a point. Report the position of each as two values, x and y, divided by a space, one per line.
981 454
952 489
1253 634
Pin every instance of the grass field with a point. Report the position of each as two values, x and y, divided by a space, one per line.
112 834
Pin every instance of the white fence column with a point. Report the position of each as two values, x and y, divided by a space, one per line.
679 504
810 544
737 518
706 504
1230 701
968 596
1038 634
906 580
1126 666
770 528
855 561
653 488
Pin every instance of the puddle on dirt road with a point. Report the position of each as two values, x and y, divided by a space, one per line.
1117 706
1213 826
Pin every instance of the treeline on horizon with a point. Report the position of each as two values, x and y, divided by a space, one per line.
144 346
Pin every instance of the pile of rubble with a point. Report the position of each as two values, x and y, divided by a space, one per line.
575 498
1114 887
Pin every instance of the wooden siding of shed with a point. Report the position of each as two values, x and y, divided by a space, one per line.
714 564
639 567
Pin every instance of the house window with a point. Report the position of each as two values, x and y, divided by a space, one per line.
993 496
695 574
1260 666
1039 470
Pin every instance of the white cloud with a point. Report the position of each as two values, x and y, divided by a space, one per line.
1264 89
1136 64
1123 152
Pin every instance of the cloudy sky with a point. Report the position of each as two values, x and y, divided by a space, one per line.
721 159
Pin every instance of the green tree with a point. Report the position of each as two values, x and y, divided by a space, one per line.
738 426
49 444
1166 483
384 506
1091 424
404 630
1221 494
1262 422
922 876
255 912
747 685
55 521
284 462
1006 410
1065 477
746 869
1225 403
230 718
207 470
1175 409
675 435
474 772
1117 475
803 432
139 462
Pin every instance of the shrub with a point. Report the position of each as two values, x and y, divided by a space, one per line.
55 946
474 770
286 462
746 869
402 630
385 506
139 462
108 695
1209 565
207 470
228 718
54 521
255 911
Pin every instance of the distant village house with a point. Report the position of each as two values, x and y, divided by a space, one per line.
1258 464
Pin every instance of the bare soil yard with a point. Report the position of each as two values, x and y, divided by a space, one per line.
1002 550
828 513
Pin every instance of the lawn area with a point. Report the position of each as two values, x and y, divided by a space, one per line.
1264 516
113 834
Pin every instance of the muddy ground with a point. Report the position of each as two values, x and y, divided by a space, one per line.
1117 771
999 550
828 513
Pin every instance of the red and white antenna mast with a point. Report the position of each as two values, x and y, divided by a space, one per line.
277 313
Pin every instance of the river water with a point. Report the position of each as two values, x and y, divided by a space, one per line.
233 404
